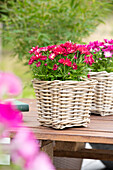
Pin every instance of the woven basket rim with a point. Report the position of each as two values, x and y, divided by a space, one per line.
101 74
64 81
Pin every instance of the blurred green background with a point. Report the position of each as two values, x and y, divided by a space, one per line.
27 23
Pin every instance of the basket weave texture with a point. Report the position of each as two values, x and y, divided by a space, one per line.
62 104
103 96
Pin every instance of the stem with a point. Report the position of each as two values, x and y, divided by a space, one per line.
64 71
77 58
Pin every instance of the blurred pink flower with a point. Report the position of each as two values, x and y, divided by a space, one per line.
24 146
10 117
41 162
10 84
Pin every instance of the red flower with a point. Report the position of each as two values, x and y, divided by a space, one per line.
59 50
38 64
68 62
52 56
43 48
65 62
74 66
33 49
51 47
83 50
43 57
70 50
67 44
55 67
62 60
32 59
89 60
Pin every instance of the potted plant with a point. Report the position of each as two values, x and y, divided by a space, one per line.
102 53
63 97
102 71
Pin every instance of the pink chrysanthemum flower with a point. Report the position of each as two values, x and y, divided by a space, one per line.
10 117
24 146
41 162
10 84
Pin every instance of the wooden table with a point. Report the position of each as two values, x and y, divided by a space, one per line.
100 130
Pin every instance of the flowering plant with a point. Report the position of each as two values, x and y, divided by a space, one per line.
103 55
24 148
68 61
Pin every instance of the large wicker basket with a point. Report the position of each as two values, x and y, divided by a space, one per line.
62 104
103 97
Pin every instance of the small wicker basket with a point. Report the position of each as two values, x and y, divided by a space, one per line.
62 104
103 97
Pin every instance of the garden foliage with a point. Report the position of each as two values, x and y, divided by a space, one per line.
47 22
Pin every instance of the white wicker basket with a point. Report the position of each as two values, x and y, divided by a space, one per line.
62 104
103 97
